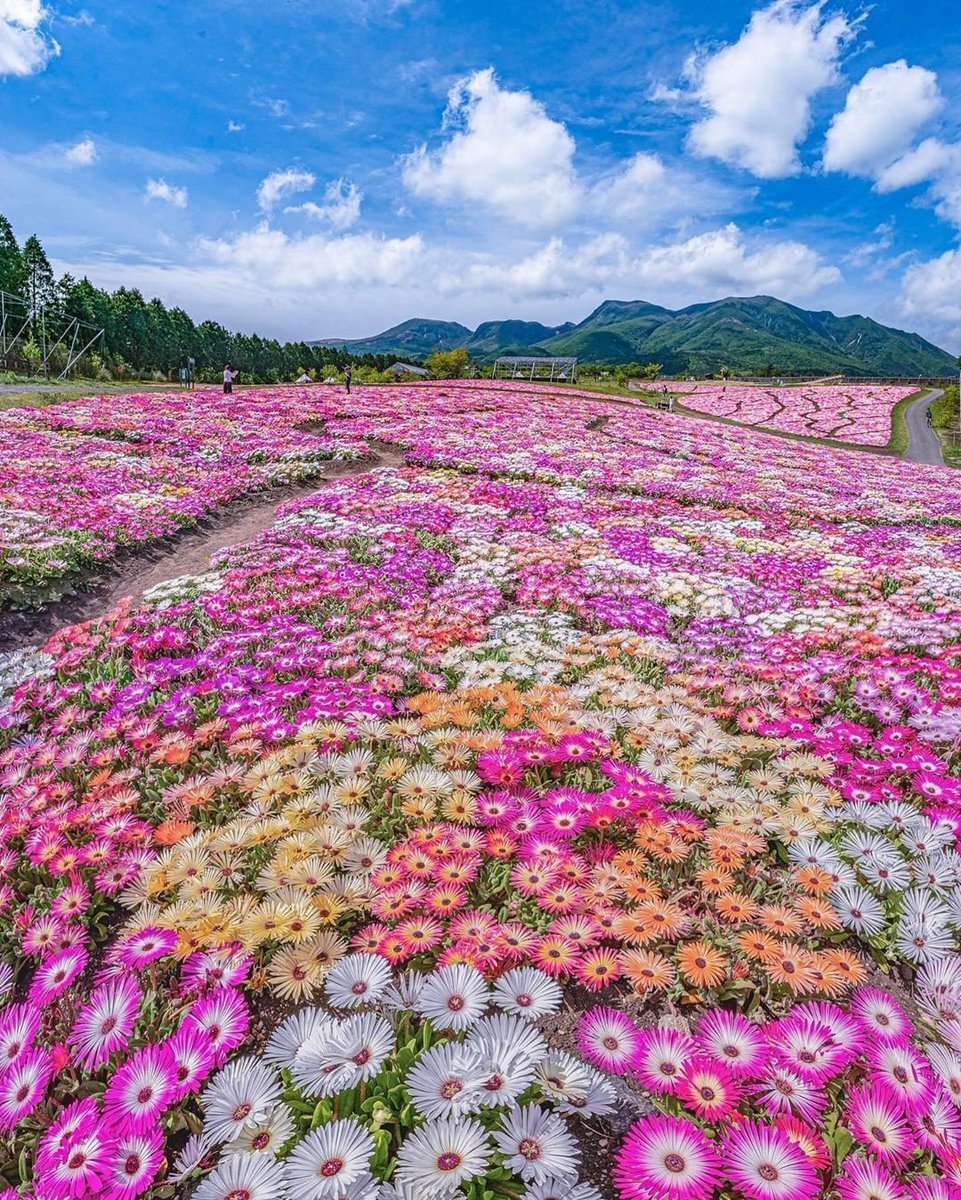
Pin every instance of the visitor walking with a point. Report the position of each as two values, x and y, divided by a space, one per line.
229 377
347 378
929 418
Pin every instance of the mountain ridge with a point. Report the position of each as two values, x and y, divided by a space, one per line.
746 333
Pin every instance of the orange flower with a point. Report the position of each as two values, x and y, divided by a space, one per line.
791 965
169 833
598 968
715 882
633 928
847 964
642 889
756 944
735 907
826 979
664 919
702 964
648 971
556 955
779 920
813 880
818 912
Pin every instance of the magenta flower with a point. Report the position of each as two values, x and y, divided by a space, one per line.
140 1091
609 1039
667 1158
765 1164
877 1121
53 977
105 1022
23 1086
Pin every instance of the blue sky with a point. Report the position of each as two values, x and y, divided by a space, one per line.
310 169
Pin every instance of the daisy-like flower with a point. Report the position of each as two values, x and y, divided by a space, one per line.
905 1073
709 1089
865 1179
330 1161
242 1094
765 1164
264 1137
734 1040
144 947
289 1039
609 1039
437 1158
878 1123
357 979
82 1167
54 976
661 1058
527 992
860 910
139 1092
808 1047
448 1081
454 997
573 1086
667 1158
350 1051
782 1090
105 1022
19 1026
536 1145
134 1161
701 964
511 1049
193 1059
224 1017
246 1177
880 1015
23 1085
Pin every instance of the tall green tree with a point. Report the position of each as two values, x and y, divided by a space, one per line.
12 277
41 284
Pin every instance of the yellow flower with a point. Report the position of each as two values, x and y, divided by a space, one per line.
293 974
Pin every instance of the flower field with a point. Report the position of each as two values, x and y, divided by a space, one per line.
570 813
859 414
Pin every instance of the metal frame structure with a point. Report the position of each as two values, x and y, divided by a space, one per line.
531 368
18 323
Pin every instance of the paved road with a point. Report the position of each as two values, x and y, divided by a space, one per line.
925 445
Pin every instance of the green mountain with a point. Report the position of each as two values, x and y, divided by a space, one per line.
746 334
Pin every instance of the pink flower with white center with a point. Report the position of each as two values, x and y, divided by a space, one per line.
877 1121
192 1055
668 1158
782 1090
53 977
880 1015
734 1040
140 1091
19 1026
224 1017
82 1168
134 1161
609 1039
105 1022
765 1164
904 1072
661 1058
865 1179
23 1086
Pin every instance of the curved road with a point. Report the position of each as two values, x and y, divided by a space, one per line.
924 445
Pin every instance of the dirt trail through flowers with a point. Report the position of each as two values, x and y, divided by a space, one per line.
135 571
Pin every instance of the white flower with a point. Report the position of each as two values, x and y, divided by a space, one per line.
559 1189
437 1158
352 1050
527 992
887 874
244 1093
252 1176
448 1081
330 1160
536 1145
358 979
573 1086
403 995
454 997
289 1039
265 1137
511 1048
859 910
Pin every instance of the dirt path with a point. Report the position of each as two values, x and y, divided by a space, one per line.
134 571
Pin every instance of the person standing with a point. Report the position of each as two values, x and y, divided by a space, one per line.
347 378
229 377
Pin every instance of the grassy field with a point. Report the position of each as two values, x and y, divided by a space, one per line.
944 418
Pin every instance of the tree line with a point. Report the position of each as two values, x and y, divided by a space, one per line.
145 337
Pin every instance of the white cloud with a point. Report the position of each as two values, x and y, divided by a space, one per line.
341 206
235 126
82 18
881 117
269 255
160 189
279 184
930 293
83 154
504 153
24 48
712 264
645 192
758 90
